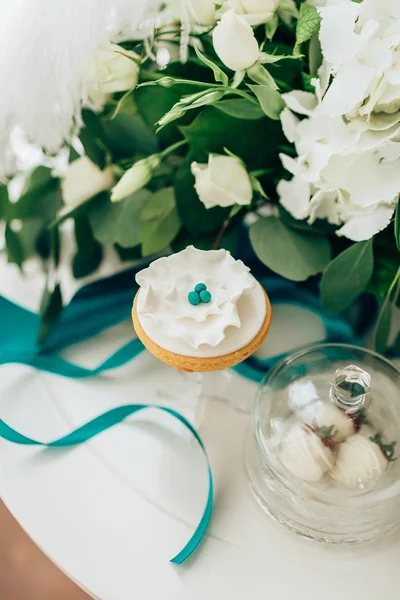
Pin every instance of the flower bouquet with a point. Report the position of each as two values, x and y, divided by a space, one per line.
201 122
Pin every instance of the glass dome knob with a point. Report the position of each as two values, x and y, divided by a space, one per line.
351 388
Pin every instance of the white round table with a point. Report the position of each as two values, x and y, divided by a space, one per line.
112 512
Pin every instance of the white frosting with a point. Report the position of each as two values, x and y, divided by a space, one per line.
327 415
359 461
305 455
227 323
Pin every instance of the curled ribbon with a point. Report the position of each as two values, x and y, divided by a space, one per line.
107 420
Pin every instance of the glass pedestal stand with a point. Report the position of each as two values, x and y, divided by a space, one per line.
218 387
197 394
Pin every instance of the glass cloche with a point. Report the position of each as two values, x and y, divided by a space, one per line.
322 459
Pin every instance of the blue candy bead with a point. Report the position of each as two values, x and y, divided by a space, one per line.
205 296
194 298
200 287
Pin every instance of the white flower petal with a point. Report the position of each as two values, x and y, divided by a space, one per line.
314 161
300 102
370 140
289 124
376 121
339 42
335 172
363 227
234 42
347 89
290 164
390 151
224 181
324 205
295 197
372 180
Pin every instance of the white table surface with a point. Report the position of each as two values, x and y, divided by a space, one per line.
111 513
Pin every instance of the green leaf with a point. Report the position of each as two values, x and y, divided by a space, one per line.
383 325
314 56
28 236
129 254
206 241
38 178
190 103
94 126
319 227
73 155
162 223
4 202
192 212
128 135
347 276
307 85
288 253
89 254
69 213
55 247
94 138
257 187
93 149
268 59
159 233
397 227
41 198
272 26
236 208
15 250
254 141
260 75
240 108
153 103
50 311
385 269
219 75
118 222
159 205
307 24
270 100
384 321
396 347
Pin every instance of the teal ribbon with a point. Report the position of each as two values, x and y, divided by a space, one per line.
104 422
104 304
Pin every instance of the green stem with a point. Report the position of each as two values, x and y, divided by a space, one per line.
397 294
220 234
241 93
394 282
282 85
172 148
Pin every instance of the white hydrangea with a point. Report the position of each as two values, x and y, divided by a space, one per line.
347 140
347 171
361 44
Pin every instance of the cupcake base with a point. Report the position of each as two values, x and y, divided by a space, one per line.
191 364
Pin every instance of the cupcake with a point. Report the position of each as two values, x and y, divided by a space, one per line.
200 310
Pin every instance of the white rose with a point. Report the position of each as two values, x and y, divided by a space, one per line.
222 182
255 12
235 43
83 180
198 12
114 69
135 178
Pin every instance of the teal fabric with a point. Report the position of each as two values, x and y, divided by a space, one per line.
102 305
